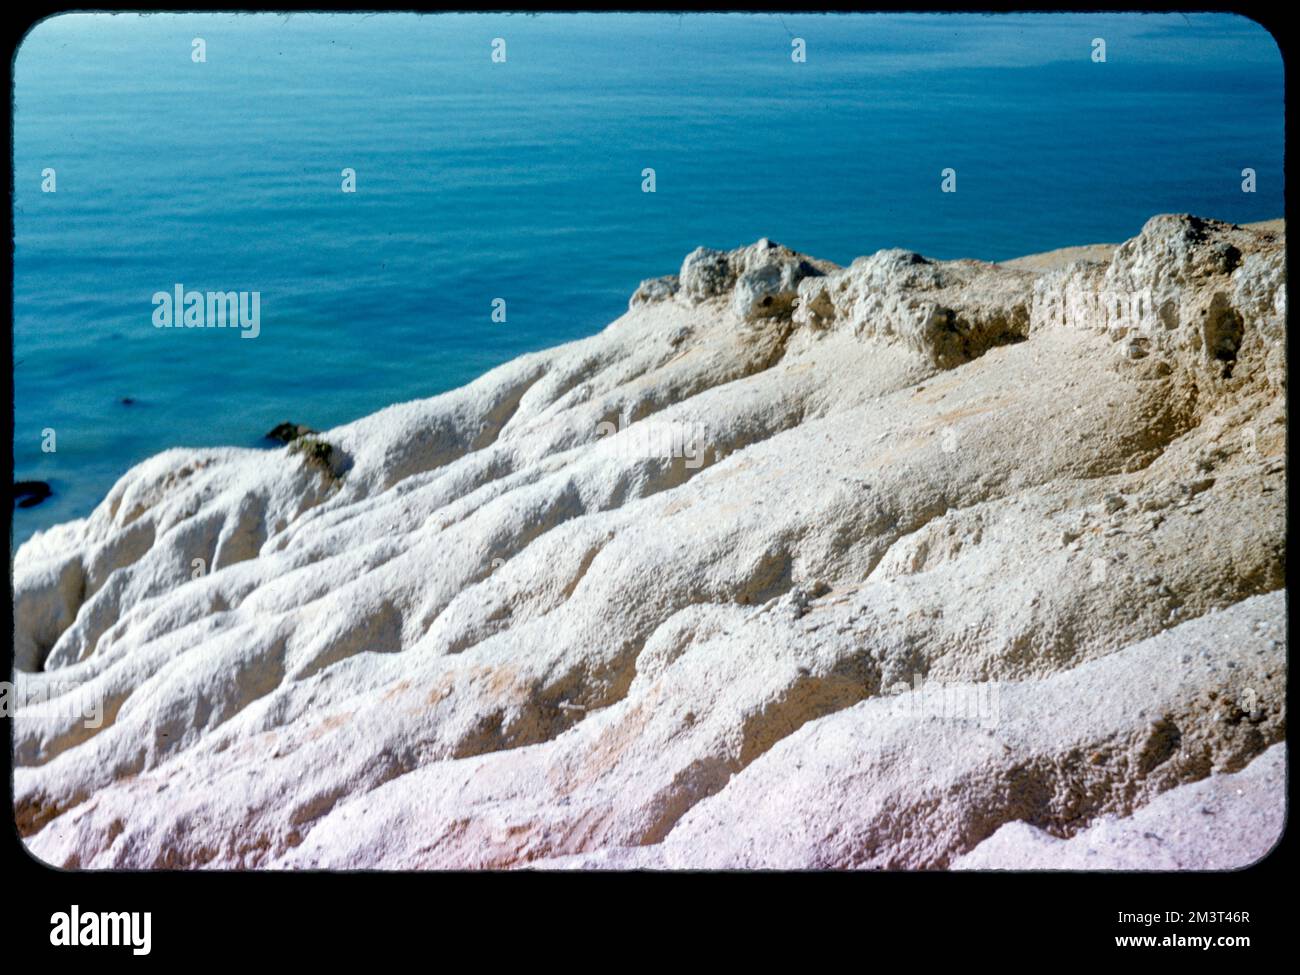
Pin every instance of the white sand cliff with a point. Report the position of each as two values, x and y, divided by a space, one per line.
481 631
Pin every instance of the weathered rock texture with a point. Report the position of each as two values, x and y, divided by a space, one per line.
944 547
1219 823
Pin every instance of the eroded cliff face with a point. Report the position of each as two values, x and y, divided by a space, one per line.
652 598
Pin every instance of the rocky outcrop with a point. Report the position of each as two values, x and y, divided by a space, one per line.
288 431
28 494
949 312
760 281
686 593
1219 823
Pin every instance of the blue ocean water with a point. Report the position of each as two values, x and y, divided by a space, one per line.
522 180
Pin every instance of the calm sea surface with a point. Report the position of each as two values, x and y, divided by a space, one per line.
522 180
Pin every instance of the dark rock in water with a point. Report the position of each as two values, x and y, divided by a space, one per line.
28 494
288 432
